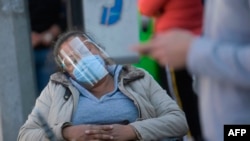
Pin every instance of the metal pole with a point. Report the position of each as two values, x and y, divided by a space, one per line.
17 85
75 14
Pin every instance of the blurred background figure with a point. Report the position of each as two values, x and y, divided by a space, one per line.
168 14
219 59
47 20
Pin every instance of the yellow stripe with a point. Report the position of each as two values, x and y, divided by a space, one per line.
176 92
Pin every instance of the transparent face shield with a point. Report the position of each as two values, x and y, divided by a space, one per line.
83 60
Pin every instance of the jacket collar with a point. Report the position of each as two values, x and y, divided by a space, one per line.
130 74
60 77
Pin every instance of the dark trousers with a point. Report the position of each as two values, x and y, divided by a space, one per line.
181 89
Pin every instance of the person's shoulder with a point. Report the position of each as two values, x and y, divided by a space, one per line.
134 73
132 68
131 73
128 68
60 77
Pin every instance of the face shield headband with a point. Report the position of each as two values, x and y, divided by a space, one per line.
83 61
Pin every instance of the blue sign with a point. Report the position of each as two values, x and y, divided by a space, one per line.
111 15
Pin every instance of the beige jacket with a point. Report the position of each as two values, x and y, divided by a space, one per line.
159 115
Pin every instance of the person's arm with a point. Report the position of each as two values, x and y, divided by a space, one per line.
151 7
220 61
170 120
33 128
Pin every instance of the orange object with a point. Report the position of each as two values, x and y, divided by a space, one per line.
187 14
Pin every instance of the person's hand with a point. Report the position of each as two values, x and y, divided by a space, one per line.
36 39
87 133
168 48
49 35
118 132
123 132
47 38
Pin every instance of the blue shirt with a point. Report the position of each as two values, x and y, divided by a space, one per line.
111 108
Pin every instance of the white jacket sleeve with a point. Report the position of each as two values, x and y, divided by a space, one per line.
169 121
34 129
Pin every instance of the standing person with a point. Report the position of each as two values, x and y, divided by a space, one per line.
170 14
47 20
219 59
93 98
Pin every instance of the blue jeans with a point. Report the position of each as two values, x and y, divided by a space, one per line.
44 67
